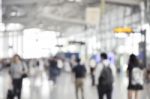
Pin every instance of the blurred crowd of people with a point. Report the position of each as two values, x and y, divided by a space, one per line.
103 74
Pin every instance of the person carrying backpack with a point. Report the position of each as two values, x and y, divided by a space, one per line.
104 77
135 77
79 72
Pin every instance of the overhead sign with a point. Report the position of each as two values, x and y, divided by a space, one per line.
92 15
76 42
123 30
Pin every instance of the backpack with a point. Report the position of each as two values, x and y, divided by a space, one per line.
137 76
106 77
80 71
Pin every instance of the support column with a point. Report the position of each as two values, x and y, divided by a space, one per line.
0 11
5 44
143 16
1 33
102 12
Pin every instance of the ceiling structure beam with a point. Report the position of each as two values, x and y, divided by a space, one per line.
49 19
40 2
121 2
15 2
118 2
124 2
66 20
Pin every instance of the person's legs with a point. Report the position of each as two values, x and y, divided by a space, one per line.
82 92
93 80
76 92
137 94
92 76
82 89
109 94
76 88
100 93
130 92
19 88
14 87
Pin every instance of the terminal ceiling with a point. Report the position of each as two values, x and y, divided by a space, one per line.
58 15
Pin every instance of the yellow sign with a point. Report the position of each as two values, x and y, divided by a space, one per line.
123 30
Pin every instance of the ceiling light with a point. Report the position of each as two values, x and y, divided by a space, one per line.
74 0
2 27
14 27
13 14
78 0
71 0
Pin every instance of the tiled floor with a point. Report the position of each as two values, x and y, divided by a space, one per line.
41 88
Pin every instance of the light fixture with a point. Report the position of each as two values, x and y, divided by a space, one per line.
14 27
74 0
2 27
78 0
71 0
121 35
13 14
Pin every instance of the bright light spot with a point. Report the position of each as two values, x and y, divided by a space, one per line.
45 88
2 27
71 0
26 87
13 13
132 43
121 49
32 30
41 42
78 0
148 47
14 27
121 35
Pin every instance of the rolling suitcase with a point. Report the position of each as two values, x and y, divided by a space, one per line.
10 94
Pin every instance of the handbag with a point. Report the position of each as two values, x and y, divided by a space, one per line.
24 75
10 94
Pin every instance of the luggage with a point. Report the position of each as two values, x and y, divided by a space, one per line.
10 94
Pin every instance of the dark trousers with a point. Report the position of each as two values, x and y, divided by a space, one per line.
17 87
93 79
92 75
104 91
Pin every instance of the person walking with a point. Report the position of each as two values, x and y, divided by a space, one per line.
135 77
104 77
92 69
17 70
79 72
53 70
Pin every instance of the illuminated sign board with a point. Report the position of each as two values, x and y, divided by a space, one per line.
123 30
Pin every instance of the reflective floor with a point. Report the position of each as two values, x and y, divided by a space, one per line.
40 88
